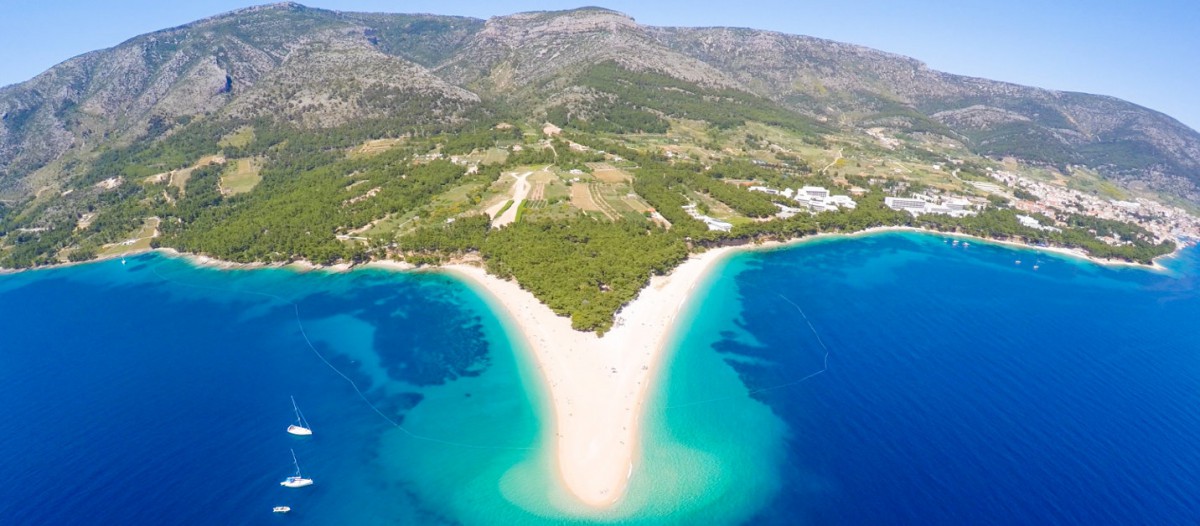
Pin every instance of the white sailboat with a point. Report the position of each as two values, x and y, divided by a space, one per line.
281 509
297 480
301 426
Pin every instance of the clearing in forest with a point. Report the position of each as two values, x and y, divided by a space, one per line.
179 178
240 137
241 177
137 242
374 147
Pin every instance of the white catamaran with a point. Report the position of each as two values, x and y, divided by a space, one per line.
297 480
301 426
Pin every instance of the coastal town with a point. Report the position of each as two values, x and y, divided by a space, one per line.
1166 222
1045 206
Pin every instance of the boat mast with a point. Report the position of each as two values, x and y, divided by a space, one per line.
295 462
300 420
296 408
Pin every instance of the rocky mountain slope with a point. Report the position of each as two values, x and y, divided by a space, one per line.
865 87
308 67
312 68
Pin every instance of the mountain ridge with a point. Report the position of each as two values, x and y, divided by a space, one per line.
204 67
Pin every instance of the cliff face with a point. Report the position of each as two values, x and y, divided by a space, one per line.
314 68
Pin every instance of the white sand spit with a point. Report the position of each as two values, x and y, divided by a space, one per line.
598 385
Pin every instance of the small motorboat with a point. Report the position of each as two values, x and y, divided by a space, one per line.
281 509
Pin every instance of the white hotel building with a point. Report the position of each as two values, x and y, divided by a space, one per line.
923 204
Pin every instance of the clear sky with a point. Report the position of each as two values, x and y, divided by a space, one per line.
1144 52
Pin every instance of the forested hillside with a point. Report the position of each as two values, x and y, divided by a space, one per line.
577 152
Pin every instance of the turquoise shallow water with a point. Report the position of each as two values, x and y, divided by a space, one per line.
910 380
885 379
154 391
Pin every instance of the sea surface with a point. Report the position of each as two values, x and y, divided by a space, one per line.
886 379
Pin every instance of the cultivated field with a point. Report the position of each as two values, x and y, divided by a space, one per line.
608 174
538 193
599 197
636 203
581 198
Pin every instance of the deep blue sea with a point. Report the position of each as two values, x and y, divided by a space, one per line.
961 387
886 379
155 392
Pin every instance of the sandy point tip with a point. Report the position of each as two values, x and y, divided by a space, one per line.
598 386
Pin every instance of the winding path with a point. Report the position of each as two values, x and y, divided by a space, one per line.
836 158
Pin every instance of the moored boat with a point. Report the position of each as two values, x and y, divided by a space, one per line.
297 480
301 427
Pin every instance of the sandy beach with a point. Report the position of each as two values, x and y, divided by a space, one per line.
598 385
